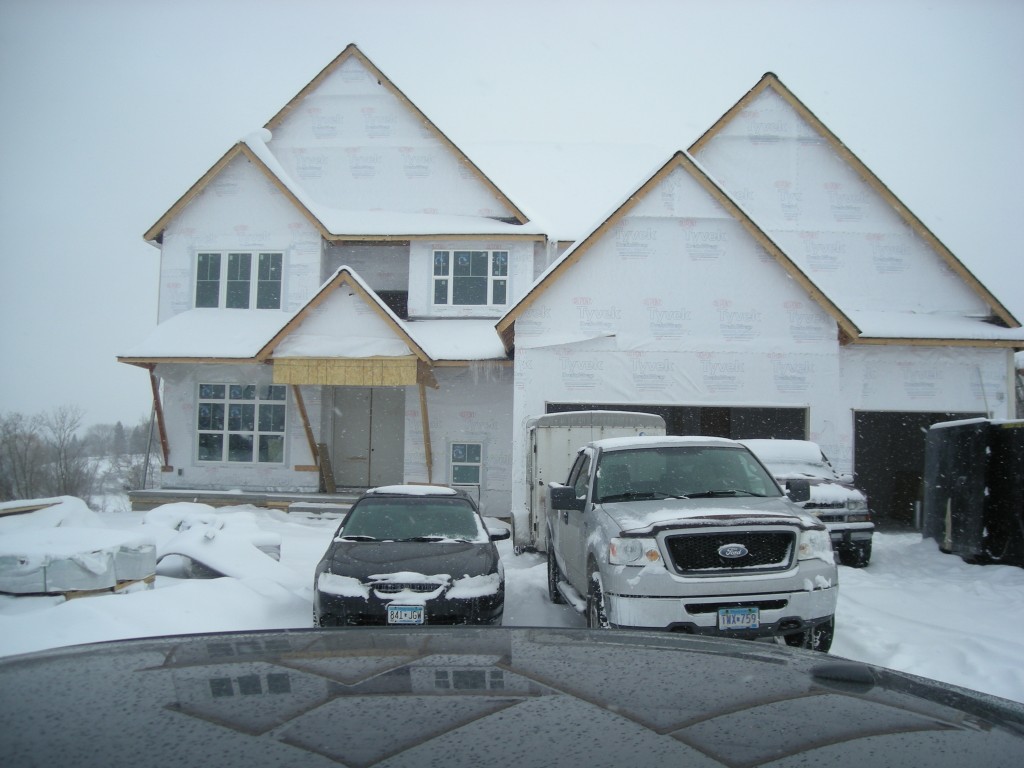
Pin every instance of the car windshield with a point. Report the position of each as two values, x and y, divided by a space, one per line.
681 472
404 519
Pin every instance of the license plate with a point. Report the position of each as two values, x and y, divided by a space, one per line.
405 614
739 618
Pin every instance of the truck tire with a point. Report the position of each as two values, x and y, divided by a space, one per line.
554 576
820 637
597 616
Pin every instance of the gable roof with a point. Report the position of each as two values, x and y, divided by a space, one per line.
770 81
411 227
684 161
344 277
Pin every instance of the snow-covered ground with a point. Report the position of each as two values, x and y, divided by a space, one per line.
913 609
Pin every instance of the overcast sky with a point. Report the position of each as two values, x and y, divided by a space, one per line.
111 109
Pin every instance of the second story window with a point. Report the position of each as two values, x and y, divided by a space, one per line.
239 280
471 277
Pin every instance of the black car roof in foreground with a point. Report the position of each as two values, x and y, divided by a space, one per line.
494 696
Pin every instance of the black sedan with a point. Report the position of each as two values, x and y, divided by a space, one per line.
411 555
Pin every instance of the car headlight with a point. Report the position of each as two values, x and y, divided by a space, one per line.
857 505
816 545
633 552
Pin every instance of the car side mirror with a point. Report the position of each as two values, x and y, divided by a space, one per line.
499 534
798 490
564 497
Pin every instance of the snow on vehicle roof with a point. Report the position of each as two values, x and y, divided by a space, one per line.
780 451
646 441
414 490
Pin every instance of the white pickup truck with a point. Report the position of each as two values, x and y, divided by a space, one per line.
689 534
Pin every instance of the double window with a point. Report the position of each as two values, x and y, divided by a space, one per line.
466 463
471 277
239 280
241 423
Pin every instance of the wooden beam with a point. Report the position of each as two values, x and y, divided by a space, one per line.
425 418
165 448
310 438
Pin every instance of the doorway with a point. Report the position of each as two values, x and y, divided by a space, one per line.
368 447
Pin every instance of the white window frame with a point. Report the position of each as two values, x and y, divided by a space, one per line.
444 276
230 414
455 462
255 279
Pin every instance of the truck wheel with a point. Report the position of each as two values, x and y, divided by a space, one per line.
597 616
857 556
820 637
554 576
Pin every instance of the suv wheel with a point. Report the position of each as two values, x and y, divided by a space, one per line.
597 616
554 576
856 556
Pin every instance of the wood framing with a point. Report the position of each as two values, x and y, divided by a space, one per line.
347 372
165 448
306 427
428 453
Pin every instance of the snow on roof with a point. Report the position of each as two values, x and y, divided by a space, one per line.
211 333
781 451
384 223
456 339
932 325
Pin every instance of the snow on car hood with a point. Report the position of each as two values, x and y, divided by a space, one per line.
646 516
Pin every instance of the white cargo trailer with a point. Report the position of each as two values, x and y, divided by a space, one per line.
552 443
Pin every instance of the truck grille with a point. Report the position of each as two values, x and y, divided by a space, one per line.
394 587
698 553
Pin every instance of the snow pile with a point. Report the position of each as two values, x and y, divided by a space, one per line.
64 547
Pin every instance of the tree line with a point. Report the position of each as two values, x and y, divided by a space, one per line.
51 454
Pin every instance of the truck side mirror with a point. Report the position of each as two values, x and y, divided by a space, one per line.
564 497
798 490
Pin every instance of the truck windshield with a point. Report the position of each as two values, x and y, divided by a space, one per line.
680 472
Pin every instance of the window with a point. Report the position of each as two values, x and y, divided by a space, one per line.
241 423
471 277
226 280
466 463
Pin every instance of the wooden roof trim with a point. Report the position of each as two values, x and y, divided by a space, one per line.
505 326
682 160
149 362
771 80
846 325
352 51
343 277
240 149
156 231
924 342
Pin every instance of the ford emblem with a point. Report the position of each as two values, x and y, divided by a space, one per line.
732 551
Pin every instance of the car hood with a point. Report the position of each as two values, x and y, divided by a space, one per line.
365 559
501 696
652 516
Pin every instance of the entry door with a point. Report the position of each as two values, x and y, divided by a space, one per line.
369 436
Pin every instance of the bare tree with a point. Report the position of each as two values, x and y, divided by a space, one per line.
70 471
23 456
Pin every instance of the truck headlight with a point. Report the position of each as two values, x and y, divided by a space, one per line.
816 545
633 551
857 505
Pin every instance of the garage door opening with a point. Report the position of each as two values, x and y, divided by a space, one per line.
888 460
735 423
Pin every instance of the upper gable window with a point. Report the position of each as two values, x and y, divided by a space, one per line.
471 277
239 280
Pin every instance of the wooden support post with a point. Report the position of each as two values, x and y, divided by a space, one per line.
425 417
165 448
301 405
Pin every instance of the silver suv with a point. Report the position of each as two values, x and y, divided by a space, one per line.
689 534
